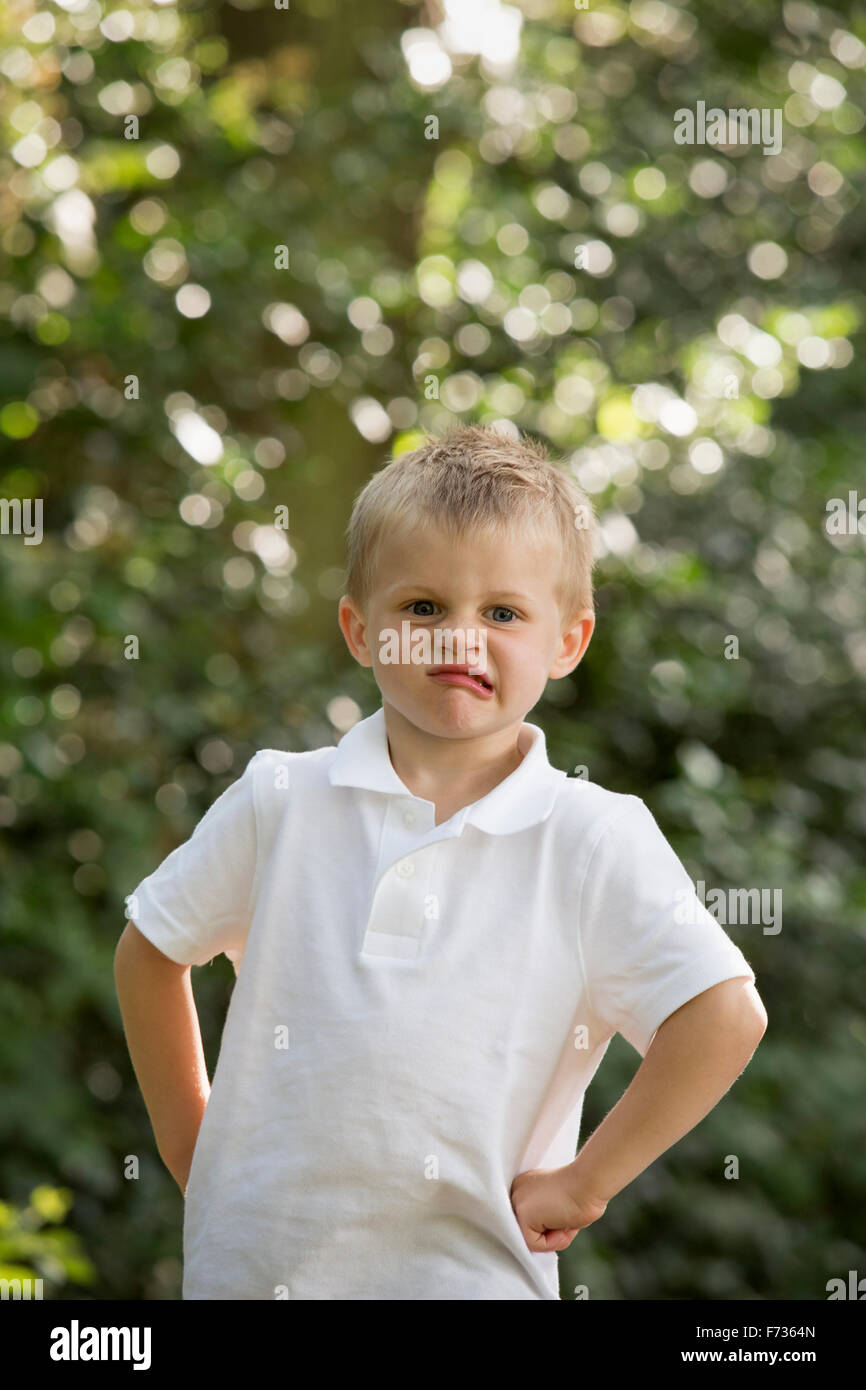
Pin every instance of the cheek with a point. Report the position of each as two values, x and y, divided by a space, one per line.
521 663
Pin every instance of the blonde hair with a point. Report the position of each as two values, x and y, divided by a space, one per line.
476 477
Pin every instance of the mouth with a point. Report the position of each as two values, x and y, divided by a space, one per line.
460 675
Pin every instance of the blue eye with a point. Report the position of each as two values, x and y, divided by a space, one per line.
412 607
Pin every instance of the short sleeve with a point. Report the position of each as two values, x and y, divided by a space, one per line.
648 942
197 903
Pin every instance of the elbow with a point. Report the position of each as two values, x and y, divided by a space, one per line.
756 1013
739 1015
746 1010
753 1029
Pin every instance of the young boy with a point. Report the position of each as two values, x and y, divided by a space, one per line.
435 935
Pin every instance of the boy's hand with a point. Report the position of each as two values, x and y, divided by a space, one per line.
548 1212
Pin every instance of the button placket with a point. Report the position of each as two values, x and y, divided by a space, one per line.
398 916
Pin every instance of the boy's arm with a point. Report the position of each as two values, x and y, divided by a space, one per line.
164 1040
696 1054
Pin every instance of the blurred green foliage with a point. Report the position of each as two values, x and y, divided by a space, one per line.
683 325
33 1249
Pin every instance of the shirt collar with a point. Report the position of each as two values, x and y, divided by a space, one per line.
525 797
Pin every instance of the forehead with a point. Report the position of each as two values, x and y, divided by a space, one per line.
429 554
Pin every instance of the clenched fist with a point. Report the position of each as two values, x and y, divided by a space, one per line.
548 1212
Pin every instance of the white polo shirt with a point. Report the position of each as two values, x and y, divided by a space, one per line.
417 1013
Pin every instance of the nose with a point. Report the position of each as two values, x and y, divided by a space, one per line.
467 641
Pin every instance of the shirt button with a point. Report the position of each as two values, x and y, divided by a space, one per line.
405 869
409 817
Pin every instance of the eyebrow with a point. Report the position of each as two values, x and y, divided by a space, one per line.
404 587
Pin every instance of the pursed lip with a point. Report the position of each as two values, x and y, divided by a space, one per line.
469 677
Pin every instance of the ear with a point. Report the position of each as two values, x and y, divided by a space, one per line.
573 644
354 628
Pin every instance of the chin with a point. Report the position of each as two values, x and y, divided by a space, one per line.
450 720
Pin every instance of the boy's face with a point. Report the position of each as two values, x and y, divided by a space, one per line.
501 586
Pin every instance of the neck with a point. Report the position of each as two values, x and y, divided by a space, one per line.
459 769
